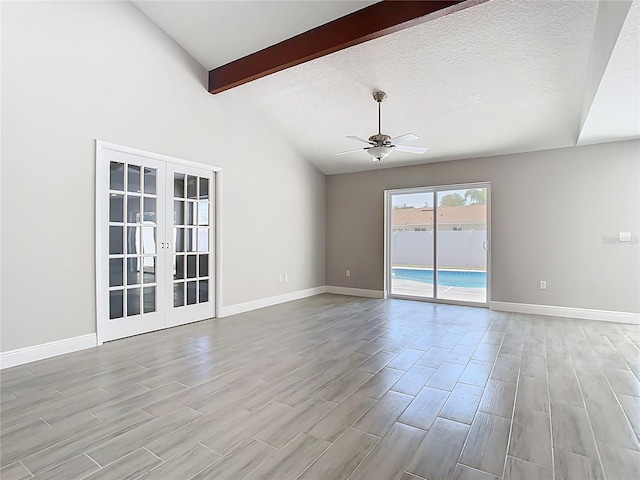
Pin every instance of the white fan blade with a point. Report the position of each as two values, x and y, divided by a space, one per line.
350 151
407 137
411 149
353 137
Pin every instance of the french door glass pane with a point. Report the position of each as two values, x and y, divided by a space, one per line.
133 240
149 299
116 272
178 185
178 212
116 243
203 239
116 176
150 180
116 208
412 244
191 266
149 211
116 304
191 292
178 269
178 239
133 301
133 178
191 239
192 186
203 213
133 271
204 265
178 294
133 209
149 269
203 295
191 213
204 188
149 240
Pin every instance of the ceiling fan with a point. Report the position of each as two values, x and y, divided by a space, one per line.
381 145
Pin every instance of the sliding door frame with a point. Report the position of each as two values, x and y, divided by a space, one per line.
388 230
102 211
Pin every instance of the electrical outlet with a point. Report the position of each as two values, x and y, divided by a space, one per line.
543 284
286 277
280 277
348 273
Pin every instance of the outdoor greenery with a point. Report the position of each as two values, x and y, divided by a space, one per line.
476 197
403 206
452 200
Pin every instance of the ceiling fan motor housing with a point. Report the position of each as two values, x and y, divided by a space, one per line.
380 139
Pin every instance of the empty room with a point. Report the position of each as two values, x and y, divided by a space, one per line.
392 240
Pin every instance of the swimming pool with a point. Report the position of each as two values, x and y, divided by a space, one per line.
449 278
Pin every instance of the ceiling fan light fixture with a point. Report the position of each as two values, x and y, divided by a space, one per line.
378 153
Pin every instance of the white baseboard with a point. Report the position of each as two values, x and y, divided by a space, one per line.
571 312
355 292
269 301
47 350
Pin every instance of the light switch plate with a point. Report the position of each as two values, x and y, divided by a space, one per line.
624 237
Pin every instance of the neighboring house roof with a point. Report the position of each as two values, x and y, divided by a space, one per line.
420 216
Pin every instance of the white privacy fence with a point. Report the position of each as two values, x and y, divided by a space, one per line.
463 249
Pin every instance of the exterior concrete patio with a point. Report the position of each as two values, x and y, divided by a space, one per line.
412 288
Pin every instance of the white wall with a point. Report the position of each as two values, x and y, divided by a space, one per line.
79 71
555 216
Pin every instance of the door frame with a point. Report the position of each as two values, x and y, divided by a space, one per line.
101 209
387 241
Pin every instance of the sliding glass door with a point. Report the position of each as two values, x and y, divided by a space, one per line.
438 239
412 242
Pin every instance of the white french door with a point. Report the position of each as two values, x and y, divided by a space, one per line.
154 242
189 244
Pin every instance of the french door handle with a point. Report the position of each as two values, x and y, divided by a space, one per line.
485 245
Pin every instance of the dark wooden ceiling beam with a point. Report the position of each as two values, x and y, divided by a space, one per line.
371 22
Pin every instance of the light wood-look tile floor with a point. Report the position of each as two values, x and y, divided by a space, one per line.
334 387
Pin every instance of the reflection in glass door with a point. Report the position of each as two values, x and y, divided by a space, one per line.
155 243
441 227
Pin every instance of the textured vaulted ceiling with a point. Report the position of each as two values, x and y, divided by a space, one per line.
500 77
218 32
